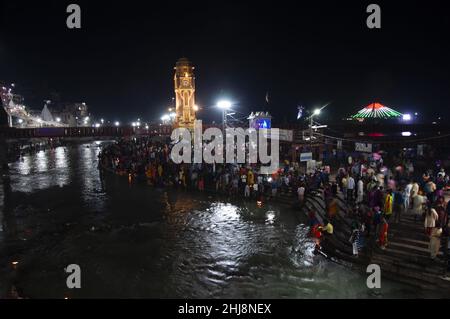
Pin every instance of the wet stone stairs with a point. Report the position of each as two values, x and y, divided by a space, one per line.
406 258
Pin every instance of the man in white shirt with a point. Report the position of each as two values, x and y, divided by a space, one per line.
350 188
301 193
360 191
407 195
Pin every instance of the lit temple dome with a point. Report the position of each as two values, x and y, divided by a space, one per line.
376 110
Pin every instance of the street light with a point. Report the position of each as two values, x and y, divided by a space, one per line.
315 112
224 105
116 123
165 118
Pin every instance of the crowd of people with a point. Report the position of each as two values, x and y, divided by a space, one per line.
376 195
381 196
149 161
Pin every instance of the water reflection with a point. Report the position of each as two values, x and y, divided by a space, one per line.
42 170
61 158
92 187
24 165
41 161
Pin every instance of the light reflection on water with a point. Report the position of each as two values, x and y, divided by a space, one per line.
136 241
42 170
91 186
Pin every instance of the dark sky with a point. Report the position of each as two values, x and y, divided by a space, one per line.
121 61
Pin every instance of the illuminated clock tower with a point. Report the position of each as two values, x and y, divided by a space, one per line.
185 94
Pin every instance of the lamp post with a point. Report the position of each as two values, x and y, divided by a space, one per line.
224 105
316 112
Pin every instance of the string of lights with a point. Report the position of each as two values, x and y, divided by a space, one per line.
384 142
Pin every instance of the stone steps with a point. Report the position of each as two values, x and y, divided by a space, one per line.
428 266
406 258
414 249
411 256
409 241
395 233
414 278
427 276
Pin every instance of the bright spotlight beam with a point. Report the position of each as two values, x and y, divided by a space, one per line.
224 105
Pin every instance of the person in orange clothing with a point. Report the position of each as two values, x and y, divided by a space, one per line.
388 204
382 239
332 208
316 233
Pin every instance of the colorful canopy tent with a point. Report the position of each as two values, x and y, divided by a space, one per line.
376 110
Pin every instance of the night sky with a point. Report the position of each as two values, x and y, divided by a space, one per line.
121 61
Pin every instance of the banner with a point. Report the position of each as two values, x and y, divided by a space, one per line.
286 135
283 135
304 157
363 147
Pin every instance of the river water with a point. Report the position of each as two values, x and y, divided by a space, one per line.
133 241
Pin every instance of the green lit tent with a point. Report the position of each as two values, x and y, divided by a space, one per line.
376 110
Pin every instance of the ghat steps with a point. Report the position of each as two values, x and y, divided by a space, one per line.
406 258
